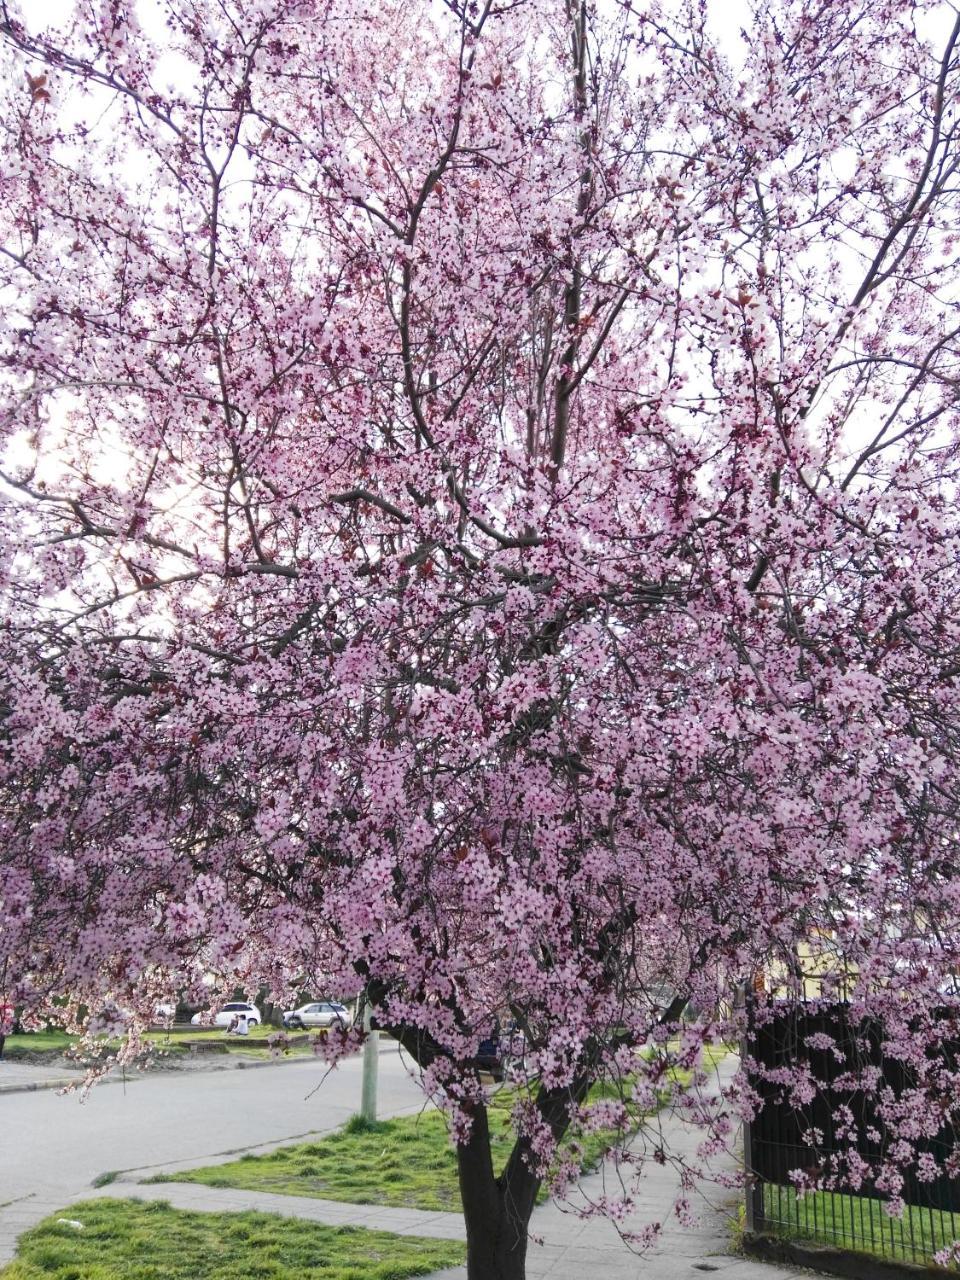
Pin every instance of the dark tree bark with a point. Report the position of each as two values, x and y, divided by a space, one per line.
496 1210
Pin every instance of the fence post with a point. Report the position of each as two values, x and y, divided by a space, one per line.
753 1183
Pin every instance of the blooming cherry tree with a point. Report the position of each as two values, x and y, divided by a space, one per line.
479 519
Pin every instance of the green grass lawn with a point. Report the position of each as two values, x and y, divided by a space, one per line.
181 1032
253 1045
406 1162
178 1040
50 1041
132 1240
859 1223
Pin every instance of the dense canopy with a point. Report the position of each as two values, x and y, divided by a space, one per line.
479 515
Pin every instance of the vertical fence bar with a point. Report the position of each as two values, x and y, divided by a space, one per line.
933 1230
873 1222
849 1215
896 1236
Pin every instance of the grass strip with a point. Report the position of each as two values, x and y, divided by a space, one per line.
133 1240
407 1162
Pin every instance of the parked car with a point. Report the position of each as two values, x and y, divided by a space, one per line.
502 1052
318 1013
226 1015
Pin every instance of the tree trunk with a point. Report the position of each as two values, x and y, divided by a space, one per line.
496 1210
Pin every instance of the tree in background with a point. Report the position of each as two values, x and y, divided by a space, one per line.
479 527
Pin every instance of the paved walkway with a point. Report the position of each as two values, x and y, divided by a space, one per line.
574 1247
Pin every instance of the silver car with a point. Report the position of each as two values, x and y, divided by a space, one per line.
319 1013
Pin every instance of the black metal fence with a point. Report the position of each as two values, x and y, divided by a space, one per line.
786 1138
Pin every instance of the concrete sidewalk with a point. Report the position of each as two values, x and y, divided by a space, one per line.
571 1247
574 1247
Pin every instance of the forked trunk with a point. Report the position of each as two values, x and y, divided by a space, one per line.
496 1210
498 1252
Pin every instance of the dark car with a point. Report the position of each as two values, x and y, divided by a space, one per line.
503 1049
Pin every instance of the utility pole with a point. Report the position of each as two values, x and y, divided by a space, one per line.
371 1059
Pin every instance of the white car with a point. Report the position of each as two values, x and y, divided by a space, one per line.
235 1009
318 1013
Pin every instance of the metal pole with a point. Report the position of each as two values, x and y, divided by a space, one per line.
371 1059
